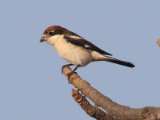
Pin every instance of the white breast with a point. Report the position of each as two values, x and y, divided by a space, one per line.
71 53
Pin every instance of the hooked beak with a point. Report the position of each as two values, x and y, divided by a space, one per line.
44 38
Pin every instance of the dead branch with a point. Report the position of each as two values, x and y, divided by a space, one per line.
91 110
113 110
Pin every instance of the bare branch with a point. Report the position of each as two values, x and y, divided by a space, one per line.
91 110
113 109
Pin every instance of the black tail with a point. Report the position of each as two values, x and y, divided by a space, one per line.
120 62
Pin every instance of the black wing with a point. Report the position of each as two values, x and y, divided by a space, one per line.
84 43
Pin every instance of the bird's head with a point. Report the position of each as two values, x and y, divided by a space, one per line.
52 32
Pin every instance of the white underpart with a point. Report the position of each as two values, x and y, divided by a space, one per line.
96 56
74 54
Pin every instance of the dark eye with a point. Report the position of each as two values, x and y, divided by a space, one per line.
51 33
56 32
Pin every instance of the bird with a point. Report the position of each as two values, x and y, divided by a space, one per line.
75 49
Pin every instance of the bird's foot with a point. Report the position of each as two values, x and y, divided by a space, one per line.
65 66
70 74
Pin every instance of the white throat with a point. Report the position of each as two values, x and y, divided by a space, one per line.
54 39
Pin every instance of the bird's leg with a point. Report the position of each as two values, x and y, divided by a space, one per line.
69 74
65 66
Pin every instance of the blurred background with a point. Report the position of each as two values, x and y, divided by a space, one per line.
31 84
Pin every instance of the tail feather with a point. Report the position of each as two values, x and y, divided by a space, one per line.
120 62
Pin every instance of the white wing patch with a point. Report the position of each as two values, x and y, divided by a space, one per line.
87 46
75 37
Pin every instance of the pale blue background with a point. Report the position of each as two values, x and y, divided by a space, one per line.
31 84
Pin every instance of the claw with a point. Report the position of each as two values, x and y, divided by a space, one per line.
65 66
69 74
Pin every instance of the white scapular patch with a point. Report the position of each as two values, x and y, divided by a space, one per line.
74 37
87 46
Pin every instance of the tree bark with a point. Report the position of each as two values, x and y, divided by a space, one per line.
105 108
